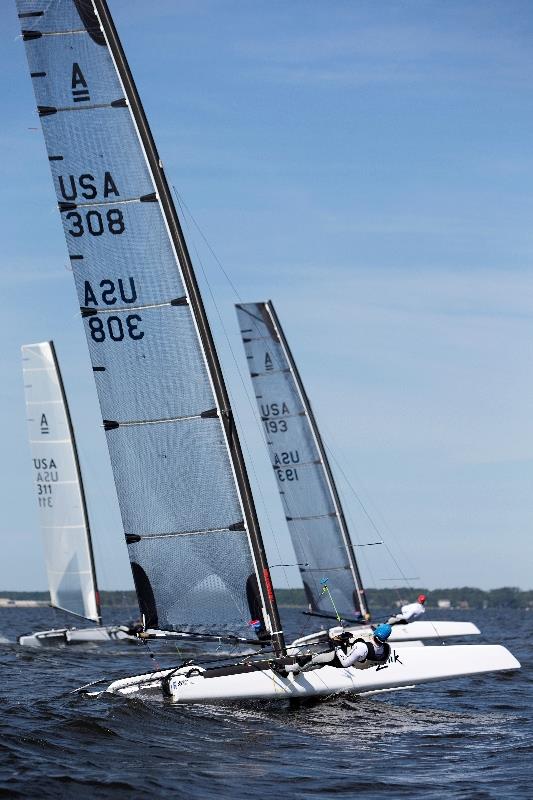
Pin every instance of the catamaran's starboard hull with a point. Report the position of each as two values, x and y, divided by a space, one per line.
432 630
68 636
405 668
404 633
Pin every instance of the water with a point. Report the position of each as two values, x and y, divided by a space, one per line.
469 738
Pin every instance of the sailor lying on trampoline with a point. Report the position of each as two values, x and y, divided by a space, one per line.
348 649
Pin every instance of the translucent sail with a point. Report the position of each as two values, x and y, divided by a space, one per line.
58 485
307 489
189 521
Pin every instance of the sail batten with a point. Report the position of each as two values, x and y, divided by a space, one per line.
176 459
305 482
58 486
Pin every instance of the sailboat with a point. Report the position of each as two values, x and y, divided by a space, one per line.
193 536
313 510
62 505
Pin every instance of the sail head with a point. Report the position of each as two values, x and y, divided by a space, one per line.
58 485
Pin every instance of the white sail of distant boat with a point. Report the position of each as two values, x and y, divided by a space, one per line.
306 484
193 536
61 501
58 486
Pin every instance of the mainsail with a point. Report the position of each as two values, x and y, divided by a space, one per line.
58 485
191 528
306 485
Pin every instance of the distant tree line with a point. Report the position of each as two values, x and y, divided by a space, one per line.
466 597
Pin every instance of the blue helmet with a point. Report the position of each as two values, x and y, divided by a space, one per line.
383 631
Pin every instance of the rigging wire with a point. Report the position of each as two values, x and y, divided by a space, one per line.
407 580
357 496
188 215
368 516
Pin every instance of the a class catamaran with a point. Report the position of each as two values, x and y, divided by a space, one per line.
311 502
62 505
193 536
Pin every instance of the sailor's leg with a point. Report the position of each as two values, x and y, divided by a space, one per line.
397 620
320 660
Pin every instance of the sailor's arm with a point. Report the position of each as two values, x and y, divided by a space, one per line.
358 652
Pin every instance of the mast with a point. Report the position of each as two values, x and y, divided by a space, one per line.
80 481
323 456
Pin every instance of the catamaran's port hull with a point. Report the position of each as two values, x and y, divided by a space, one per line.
69 636
406 667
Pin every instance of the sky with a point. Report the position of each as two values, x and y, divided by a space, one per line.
368 167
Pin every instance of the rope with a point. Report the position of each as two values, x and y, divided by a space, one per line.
325 590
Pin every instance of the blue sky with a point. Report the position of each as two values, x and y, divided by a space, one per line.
368 167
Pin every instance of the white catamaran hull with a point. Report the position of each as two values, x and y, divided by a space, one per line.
405 667
64 636
404 633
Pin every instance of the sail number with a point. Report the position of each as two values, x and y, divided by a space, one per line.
44 495
113 328
46 474
276 425
290 474
90 187
95 223
109 292
271 411
286 473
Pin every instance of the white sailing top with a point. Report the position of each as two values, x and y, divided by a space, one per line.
357 652
412 611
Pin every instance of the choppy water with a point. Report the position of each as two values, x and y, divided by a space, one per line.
469 738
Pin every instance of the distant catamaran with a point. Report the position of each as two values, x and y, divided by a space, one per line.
61 500
313 509
193 536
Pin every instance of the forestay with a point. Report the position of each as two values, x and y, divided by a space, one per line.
58 485
312 506
174 452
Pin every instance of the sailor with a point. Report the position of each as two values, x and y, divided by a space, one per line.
134 628
346 649
359 650
409 612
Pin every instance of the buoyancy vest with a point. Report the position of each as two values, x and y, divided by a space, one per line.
372 658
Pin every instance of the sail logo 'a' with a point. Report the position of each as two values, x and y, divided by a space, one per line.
45 428
79 95
268 362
